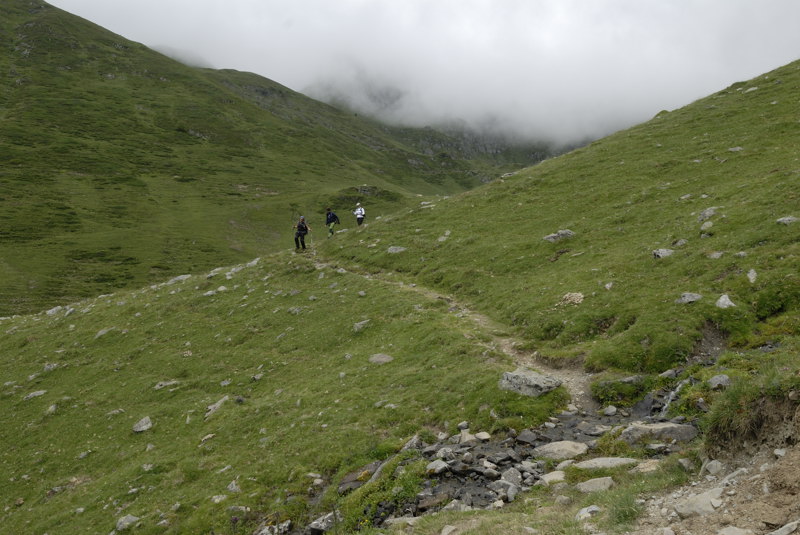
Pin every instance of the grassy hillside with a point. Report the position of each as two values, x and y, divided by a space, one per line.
258 378
276 342
283 346
709 181
122 166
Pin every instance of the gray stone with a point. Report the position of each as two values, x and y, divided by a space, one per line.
593 430
719 382
597 484
512 475
663 253
360 326
142 425
714 467
708 213
558 236
587 512
698 504
164 384
394 249
605 462
214 407
527 437
560 450
556 476
732 530
36 394
381 358
787 529
528 382
437 467
688 297
611 410
126 522
504 489
324 523
659 431
563 500
788 220
725 302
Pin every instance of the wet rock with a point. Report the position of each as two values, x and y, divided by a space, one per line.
528 436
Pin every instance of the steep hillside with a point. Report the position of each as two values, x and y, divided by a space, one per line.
122 166
699 200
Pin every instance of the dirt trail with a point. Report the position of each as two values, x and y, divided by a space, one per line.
764 498
574 379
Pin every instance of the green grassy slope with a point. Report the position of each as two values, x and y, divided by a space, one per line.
121 166
276 340
625 196
278 337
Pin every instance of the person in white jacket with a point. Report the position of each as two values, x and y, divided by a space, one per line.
359 213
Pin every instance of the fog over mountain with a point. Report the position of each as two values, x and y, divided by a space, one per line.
562 70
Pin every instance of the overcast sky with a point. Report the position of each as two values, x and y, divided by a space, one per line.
559 69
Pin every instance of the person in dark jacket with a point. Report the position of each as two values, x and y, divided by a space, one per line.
331 220
300 234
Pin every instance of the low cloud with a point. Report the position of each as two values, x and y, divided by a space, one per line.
561 70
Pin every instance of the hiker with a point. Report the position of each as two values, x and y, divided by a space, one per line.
300 236
359 213
331 219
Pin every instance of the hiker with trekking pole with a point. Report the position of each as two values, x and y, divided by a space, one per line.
302 229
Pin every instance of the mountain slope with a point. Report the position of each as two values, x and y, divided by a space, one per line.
708 182
122 166
260 386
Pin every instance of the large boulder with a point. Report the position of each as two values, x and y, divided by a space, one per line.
563 449
528 382
663 431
